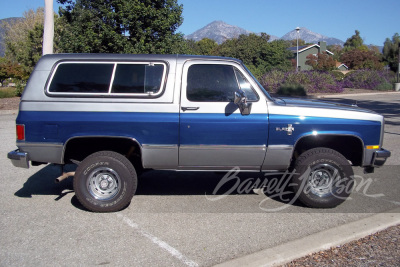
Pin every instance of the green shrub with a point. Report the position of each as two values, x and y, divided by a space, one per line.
19 87
385 86
290 89
339 76
7 92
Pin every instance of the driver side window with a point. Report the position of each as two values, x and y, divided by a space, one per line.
216 83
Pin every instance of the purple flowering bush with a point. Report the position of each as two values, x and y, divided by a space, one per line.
369 79
312 81
328 82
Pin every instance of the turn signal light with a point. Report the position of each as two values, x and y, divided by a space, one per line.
372 147
20 132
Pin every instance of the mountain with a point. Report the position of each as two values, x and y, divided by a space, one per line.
219 31
311 37
2 33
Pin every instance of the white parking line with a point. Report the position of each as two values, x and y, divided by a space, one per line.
380 198
174 252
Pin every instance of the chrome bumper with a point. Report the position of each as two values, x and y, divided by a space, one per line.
19 159
379 157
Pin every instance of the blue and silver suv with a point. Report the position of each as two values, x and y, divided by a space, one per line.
116 115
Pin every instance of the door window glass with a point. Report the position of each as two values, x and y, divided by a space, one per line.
216 83
211 83
246 86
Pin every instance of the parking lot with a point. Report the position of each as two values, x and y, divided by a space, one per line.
176 218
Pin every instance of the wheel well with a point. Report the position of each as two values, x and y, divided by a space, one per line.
350 147
79 148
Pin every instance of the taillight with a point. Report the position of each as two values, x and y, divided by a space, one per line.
20 132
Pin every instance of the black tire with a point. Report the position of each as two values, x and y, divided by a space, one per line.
105 181
323 179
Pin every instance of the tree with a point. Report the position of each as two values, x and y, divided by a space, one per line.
121 26
9 69
337 51
322 61
206 47
3 70
391 51
23 39
359 59
355 42
257 53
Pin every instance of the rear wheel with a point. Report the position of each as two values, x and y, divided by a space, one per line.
323 179
105 182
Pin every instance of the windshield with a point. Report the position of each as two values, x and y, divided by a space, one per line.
258 83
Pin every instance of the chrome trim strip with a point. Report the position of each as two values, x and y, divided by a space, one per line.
218 147
145 146
112 78
218 168
382 133
30 144
280 147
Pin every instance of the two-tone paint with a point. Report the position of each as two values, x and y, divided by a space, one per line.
175 133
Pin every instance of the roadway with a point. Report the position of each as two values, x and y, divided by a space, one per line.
175 219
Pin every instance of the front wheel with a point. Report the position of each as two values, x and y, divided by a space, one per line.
323 178
105 182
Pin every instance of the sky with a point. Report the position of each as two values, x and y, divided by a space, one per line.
376 20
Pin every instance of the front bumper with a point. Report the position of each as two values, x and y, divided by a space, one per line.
379 157
19 159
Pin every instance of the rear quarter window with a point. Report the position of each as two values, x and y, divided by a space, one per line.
112 79
82 78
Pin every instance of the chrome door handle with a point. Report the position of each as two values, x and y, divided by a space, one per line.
189 108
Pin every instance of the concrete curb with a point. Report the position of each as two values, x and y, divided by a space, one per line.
320 241
8 112
344 95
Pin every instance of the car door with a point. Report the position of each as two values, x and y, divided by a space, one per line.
213 132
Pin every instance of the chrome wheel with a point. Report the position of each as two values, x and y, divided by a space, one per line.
103 183
322 178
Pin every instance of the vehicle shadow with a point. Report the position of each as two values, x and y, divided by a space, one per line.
271 185
43 183
164 183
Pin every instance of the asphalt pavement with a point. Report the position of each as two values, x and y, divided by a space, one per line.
176 218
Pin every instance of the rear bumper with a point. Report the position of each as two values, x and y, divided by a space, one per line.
19 159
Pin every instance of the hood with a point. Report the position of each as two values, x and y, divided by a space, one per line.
312 103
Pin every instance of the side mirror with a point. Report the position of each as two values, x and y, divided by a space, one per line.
241 100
